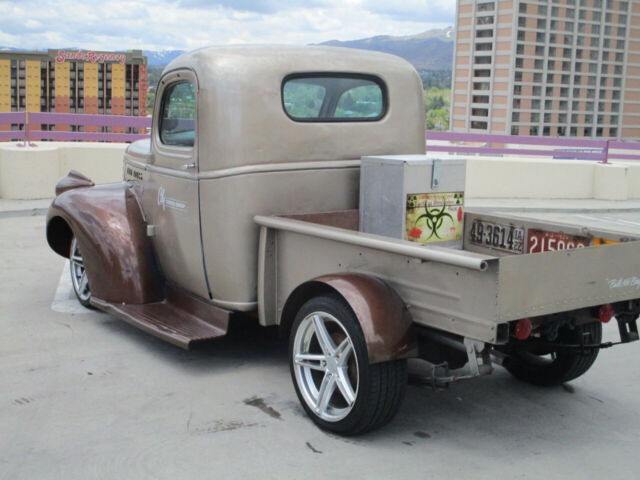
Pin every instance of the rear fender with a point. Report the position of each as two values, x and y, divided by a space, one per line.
383 317
108 222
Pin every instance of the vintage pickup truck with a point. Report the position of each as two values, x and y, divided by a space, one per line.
245 200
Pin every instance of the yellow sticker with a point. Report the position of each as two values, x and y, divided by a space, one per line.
434 217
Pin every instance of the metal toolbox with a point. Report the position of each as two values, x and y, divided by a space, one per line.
418 198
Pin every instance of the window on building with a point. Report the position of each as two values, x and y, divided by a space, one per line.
483 60
485 20
533 131
481 47
480 112
484 33
482 73
479 125
481 99
486 7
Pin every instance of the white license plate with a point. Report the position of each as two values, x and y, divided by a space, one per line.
495 235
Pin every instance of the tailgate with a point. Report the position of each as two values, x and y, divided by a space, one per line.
556 281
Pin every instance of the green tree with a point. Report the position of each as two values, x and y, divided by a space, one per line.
437 102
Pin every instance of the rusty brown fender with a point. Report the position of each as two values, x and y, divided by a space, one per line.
383 317
111 232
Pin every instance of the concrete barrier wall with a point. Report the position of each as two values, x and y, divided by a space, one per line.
32 172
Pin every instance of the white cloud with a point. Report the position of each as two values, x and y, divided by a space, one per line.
156 25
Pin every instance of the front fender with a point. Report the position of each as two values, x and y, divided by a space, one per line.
111 232
383 317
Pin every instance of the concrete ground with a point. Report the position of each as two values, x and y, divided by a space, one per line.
83 395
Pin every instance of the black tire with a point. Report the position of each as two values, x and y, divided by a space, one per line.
380 387
567 364
76 269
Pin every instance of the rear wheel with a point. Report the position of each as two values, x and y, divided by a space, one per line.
79 279
334 381
556 366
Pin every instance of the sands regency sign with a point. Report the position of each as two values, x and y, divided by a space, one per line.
91 57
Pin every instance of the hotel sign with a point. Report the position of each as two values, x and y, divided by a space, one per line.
90 57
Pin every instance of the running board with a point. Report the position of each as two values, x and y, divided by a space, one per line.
180 319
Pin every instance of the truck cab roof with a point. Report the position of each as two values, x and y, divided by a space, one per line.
243 118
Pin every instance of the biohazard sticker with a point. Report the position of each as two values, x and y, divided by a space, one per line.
434 217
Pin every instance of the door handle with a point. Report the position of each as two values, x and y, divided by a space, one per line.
188 166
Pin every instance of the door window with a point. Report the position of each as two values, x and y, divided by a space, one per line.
177 121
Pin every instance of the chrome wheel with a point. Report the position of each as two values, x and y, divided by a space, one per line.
79 278
325 366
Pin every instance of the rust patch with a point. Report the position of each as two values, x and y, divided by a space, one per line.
260 404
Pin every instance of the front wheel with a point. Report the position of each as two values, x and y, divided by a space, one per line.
334 381
79 279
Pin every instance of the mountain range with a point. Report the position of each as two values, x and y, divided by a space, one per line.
430 50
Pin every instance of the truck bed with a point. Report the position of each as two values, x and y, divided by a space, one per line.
471 292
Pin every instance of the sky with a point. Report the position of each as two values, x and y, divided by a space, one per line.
188 24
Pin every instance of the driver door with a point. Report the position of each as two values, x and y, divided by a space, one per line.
171 195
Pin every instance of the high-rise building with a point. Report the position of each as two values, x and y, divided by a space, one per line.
547 67
71 81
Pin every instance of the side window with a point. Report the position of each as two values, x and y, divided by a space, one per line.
178 114
324 97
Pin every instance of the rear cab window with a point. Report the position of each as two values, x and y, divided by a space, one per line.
328 97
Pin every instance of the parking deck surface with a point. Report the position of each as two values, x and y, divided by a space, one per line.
83 395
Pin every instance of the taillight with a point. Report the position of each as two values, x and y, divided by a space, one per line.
605 312
523 328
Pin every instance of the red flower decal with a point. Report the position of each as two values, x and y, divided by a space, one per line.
459 214
415 232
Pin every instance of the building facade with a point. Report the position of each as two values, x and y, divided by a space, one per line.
547 67
70 81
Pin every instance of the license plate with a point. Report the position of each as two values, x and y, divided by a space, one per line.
543 241
495 235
